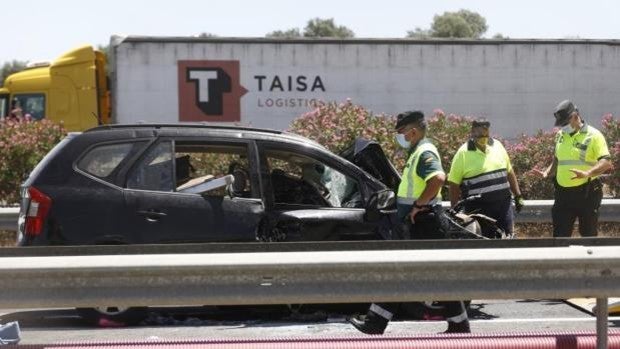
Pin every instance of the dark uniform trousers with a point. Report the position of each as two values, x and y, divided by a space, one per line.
580 202
500 210
428 226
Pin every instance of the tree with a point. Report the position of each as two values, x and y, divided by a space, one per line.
315 28
207 35
291 33
460 24
320 28
9 68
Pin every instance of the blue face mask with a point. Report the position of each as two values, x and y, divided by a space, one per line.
567 129
400 138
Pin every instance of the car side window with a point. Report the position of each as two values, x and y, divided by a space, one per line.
154 170
102 160
302 180
197 163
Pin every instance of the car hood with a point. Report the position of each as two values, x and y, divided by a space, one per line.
369 156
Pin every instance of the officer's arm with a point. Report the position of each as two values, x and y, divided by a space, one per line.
603 165
550 171
514 184
455 193
433 186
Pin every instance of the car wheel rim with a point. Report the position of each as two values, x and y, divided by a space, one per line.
111 310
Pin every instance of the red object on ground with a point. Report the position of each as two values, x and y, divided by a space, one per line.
538 340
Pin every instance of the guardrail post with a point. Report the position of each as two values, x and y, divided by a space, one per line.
601 323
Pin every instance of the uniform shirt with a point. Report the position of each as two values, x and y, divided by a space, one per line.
468 162
415 176
429 165
482 172
579 150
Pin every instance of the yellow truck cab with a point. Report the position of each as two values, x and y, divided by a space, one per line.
72 89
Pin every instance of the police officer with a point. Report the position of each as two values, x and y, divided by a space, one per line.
418 203
482 167
581 156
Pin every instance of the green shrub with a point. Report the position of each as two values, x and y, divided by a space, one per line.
448 134
336 126
22 146
611 130
528 153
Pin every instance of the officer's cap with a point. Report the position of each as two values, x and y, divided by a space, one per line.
408 117
563 112
481 123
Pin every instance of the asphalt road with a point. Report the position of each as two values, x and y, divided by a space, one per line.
487 316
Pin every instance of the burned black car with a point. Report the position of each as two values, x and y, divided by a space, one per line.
154 184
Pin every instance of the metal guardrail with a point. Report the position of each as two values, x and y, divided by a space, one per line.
535 211
8 218
310 276
314 277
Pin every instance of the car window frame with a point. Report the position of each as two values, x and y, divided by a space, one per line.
116 175
256 184
322 155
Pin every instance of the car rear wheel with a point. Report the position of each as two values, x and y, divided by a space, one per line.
113 316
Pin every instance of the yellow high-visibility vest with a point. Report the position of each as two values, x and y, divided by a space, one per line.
411 185
482 172
580 151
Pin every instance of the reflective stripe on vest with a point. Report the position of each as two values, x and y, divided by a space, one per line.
412 185
492 185
410 201
489 189
576 163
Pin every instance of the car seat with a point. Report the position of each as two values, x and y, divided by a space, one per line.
240 186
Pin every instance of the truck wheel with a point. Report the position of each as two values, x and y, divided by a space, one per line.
113 316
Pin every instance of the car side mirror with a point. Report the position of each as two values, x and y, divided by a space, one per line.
379 200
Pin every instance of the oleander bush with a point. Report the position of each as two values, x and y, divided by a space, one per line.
611 130
22 145
336 126
528 153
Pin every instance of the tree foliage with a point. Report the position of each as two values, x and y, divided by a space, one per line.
460 24
315 28
291 33
9 68
320 28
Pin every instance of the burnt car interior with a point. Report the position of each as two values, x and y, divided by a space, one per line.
300 180
200 163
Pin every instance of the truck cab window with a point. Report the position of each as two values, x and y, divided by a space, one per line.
32 105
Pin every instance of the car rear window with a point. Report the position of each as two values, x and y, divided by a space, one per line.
102 160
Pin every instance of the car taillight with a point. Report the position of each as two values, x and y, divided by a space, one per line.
37 211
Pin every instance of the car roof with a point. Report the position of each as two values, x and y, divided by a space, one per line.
250 132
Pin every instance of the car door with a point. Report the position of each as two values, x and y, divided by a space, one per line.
162 207
313 197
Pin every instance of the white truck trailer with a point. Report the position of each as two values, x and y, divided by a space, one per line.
269 82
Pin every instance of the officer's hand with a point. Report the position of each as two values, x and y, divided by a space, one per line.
541 173
579 174
519 203
414 211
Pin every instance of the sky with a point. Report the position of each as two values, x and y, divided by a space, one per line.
41 30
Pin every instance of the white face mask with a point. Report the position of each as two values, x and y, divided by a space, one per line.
400 138
567 129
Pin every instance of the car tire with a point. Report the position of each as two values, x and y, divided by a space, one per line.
113 316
